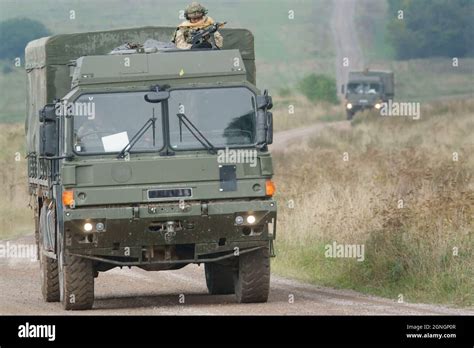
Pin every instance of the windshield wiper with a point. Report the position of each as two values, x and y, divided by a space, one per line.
149 123
203 140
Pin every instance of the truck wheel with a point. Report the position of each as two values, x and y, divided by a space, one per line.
48 266
76 283
49 278
219 279
350 115
252 283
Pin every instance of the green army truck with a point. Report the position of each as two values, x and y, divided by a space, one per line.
148 157
367 89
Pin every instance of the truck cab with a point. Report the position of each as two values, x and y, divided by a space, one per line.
367 89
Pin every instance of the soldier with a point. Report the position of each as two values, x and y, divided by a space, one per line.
196 17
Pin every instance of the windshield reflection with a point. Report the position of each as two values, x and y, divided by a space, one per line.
118 116
225 116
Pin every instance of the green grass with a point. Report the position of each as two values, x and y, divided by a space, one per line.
450 284
12 97
370 21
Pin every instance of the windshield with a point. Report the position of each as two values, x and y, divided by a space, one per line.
111 120
363 88
225 116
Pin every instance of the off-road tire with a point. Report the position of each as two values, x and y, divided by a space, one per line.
350 115
49 279
49 271
252 282
219 279
78 284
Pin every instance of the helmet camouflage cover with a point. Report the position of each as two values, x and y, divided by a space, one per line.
195 10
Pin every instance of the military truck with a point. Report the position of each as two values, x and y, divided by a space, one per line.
366 90
126 165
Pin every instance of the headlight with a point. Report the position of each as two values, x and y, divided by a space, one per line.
99 227
378 106
349 106
239 220
251 219
88 227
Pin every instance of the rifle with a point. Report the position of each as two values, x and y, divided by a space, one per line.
198 37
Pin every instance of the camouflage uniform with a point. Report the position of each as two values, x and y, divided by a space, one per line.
182 36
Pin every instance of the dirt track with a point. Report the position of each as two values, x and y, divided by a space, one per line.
345 40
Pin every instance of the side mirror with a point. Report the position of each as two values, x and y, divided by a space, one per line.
48 113
157 97
48 130
342 89
48 139
264 101
269 128
269 102
264 126
261 101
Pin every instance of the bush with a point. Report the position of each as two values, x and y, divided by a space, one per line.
319 88
16 33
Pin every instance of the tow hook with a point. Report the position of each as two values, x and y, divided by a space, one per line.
170 231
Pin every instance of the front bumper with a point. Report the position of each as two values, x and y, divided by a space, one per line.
140 234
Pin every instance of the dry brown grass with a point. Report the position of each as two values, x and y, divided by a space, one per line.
304 112
408 251
16 217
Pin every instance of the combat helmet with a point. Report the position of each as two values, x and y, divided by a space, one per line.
195 10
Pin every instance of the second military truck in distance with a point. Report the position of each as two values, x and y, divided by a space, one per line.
367 89
133 160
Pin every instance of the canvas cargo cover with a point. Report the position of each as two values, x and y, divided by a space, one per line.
47 59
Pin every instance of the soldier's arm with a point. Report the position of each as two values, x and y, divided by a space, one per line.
180 41
219 39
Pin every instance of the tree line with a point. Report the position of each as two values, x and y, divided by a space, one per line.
15 33
431 28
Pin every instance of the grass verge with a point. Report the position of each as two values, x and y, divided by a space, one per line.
16 218
399 193
296 111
